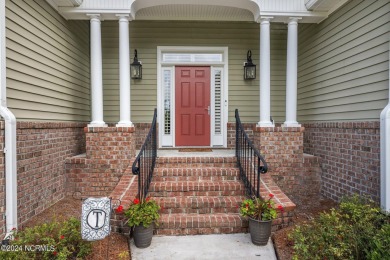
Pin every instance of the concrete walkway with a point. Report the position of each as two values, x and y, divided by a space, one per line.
213 247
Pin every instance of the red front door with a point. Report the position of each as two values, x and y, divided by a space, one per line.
192 106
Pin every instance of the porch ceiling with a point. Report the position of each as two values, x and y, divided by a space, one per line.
194 12
311 11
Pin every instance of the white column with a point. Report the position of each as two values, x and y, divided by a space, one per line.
292 73
96 73
265 73
124 71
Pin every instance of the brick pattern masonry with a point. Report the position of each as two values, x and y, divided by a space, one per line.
348 152
296 173
350 156
109 151
42 148
198 195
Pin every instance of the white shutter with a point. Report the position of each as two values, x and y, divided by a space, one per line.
217 103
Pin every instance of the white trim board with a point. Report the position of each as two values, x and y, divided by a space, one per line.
215 140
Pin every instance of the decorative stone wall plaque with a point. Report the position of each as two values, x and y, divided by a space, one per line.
95 218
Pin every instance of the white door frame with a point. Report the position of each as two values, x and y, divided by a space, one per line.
164 66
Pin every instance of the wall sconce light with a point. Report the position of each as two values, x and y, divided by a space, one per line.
249 67
136 67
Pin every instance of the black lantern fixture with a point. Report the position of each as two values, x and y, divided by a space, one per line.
136 67
249 67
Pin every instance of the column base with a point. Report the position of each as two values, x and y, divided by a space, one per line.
124 124
97 124
265 124
291 124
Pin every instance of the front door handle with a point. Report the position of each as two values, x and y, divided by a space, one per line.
208 109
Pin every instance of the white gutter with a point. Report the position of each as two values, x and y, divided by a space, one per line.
10 137
385 153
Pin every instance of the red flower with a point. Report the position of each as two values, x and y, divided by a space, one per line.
136 201
280 207
271 195
147 199
14 228
62 237
55 253
119 209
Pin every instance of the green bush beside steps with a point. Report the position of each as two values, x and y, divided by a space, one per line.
357 229
53 240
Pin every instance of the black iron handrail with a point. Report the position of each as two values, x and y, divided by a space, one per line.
249 160
145 161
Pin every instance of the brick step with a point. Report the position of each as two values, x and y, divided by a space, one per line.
200 204
196 174
189 162
196 224
196 188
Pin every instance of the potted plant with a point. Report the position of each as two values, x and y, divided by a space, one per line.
260 213
142 215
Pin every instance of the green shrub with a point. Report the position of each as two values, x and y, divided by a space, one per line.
380 245
54 240
356 230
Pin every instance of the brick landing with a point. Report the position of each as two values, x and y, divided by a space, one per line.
198 195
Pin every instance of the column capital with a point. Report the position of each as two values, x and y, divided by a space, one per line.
94 17
265 19
124 17
293 20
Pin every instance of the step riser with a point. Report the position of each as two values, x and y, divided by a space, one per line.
200 210
196 186
196 193
200 205
199 231
195 178
193 165
188 160
169 172
201 221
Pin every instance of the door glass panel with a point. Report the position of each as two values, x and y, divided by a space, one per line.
194 57
167 101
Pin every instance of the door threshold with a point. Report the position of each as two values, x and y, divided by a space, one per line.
194 147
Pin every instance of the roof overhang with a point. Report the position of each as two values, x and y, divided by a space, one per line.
204 10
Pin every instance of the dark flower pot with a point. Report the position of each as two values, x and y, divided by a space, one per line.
260 231
143 236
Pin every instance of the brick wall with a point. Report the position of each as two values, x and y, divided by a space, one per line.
109 151
142 130
231 133
42 148
350 155
296 174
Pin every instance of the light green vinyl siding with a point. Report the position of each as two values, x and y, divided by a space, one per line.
47 63
343 64
239 37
